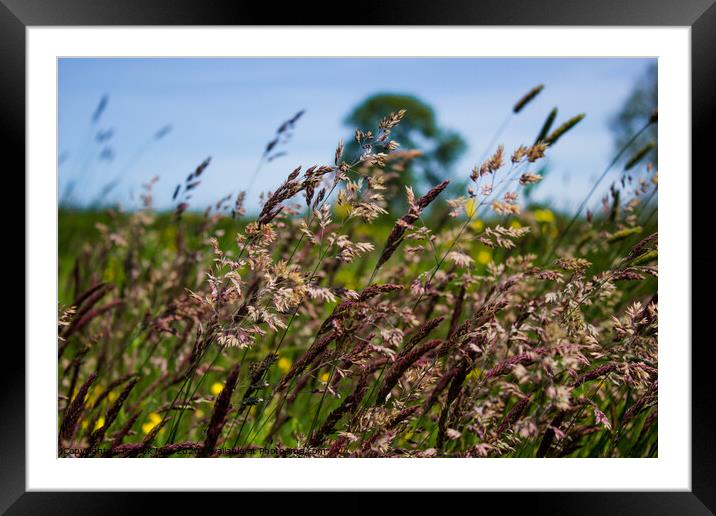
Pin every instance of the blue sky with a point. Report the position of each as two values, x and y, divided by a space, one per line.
230 108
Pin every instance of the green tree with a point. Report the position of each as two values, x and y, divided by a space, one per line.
635 112
419 130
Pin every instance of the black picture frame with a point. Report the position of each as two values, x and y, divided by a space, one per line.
700 15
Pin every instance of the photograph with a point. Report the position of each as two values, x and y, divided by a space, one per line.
414 250
357 257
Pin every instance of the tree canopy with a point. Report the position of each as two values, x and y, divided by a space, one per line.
419 129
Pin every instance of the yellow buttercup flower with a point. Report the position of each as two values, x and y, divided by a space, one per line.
324 377
484 256
216 388
154 420
284 364
477 225
94 394
544 216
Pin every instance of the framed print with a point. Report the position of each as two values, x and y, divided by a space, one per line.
414 252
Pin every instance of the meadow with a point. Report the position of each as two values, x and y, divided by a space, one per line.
353 317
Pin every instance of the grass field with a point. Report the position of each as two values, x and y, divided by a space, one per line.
328 324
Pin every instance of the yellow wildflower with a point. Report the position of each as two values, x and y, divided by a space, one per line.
477 225
93 395
544 216
324 377
198 413
100 423
154 420
284 364
515 224
484 256
216 388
